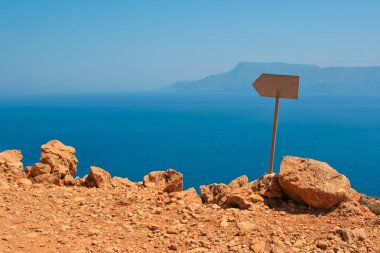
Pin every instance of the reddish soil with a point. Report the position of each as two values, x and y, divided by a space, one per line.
49 218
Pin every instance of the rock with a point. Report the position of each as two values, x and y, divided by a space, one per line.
80 181
118 182
39 169
257 245
10 161
46 179
323 245
372 203
224 223
237 194
27 170
87 182
354 195
69 180
219 193
242 198
313 182
268 186
189 196
241 181
57 160
60 157
351 236
97 177
167 181
210 194
172 247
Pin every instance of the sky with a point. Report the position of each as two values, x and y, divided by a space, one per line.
110 46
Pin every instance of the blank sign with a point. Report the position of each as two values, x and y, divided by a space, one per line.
283 86
276 86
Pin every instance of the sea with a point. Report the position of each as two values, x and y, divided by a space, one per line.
209 137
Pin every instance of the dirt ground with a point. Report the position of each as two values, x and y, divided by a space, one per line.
49 218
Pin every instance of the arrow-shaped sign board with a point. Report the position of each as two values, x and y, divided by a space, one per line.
276 86
267 85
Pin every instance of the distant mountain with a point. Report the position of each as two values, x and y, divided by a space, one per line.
313 78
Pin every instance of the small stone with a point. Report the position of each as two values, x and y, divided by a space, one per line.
173 247
99 178
224 223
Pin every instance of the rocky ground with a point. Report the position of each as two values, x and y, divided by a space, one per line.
44 209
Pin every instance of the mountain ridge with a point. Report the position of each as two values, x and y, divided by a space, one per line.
314 78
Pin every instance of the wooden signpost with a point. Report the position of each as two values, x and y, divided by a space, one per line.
276 86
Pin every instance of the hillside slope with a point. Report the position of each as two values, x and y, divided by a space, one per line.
43 208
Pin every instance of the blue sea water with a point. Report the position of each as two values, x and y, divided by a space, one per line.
208 137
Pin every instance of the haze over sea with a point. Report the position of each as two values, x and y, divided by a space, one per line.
209 137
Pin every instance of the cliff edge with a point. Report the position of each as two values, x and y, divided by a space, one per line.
307 207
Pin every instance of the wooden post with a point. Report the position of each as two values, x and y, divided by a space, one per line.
274 133
278 86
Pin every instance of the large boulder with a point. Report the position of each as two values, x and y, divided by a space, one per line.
167 181
58 161
97 177
313 182
60 157
10 161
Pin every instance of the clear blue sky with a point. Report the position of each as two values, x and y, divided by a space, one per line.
114 45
